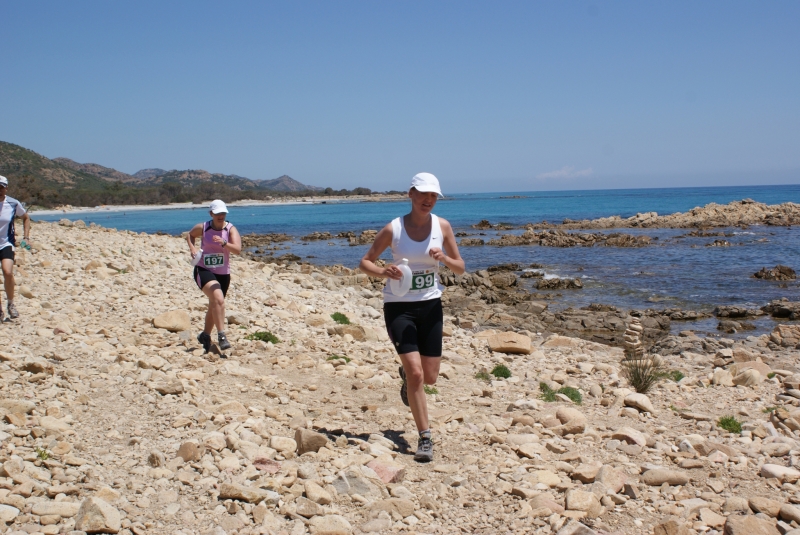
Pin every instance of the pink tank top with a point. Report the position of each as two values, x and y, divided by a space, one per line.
216 258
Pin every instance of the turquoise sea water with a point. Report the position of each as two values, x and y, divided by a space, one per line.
675 272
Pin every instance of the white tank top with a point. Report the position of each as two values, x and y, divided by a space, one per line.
425 281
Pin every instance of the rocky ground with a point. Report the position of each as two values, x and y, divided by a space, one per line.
114 421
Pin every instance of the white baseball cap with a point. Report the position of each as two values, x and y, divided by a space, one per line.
426 182
3 180
217 207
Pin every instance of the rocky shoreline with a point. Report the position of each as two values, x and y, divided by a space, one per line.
114 421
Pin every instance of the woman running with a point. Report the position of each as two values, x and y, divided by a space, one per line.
414 321
212 272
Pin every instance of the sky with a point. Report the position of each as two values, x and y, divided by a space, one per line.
488 96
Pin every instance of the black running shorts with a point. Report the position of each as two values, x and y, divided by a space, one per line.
7 253
202 276
415 326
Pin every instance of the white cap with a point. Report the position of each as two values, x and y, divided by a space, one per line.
426 182
217 207
3 180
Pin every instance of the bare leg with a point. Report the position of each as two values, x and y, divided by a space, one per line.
8 277
419 371
215 316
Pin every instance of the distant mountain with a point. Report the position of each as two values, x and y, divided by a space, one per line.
98 170
38 180
286 183
19 163
149 173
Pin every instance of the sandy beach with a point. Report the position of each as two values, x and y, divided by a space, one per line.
72 210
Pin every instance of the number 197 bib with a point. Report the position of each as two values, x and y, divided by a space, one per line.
213 260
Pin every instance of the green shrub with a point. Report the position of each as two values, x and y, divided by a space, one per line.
501 370
770 375
770 409
572 393
549 395
730 424
263 336
643 374
340 318
42 453
676 375
338 357
430 389
483 376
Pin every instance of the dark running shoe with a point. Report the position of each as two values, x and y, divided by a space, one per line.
223 341
205 340
404 387
424 450
12 311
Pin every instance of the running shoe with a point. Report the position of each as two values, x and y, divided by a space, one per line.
12 311
223 341
424 450
404 387
205 340
2 319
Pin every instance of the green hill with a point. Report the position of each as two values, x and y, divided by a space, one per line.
39 181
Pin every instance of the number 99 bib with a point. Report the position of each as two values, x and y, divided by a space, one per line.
422 280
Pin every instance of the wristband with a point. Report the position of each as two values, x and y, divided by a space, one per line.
224 243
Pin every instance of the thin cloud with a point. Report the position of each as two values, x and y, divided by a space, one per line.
565 172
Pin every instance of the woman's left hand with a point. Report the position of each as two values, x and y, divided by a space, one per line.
437 254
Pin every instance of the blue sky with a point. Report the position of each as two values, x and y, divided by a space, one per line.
500 96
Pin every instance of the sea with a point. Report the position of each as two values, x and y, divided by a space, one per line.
674 272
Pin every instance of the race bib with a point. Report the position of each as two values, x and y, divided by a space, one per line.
423 280
213 260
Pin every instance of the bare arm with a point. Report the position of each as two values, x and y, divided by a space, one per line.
453 259
26 226
367 264
234 245
195 233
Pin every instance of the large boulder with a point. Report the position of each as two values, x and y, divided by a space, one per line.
510 342
778 273
308 440
786 336
173 321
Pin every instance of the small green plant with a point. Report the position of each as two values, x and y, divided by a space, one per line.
483 376
263 336
676 409
292 342
242 326
643 373
676 375
770 375
340 318
430 389
338 357
770 409
501 370
730 424
42 453
549 395
572 393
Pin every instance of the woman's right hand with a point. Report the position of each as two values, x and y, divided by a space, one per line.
193 252
392 272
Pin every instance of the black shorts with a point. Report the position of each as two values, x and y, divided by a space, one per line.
7 253
415 326
202 276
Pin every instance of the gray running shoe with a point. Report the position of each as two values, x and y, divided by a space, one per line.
404 387
12 311
424 451
204 339
223 341
2 319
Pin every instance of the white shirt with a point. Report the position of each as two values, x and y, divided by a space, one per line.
425 270
11 208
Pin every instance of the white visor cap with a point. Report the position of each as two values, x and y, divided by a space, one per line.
217 207
3 180
426 182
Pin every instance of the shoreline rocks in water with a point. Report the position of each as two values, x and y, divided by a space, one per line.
778 273
734 214
112 423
